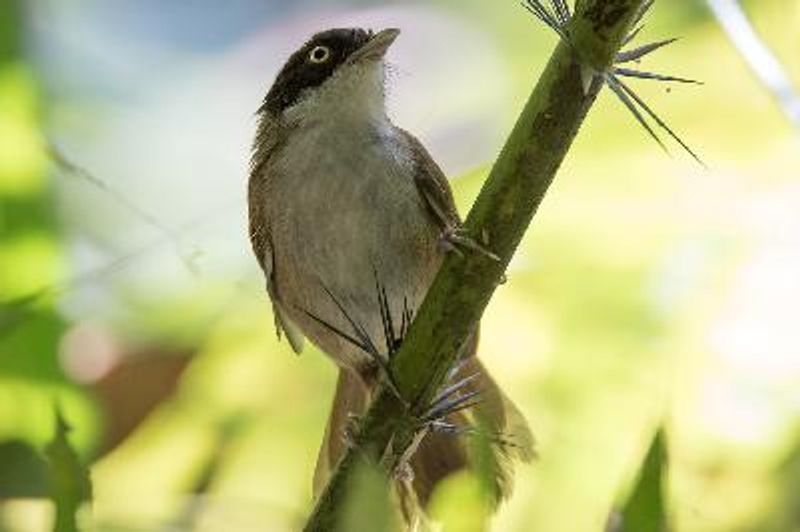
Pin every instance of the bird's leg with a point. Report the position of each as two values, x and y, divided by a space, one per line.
456 239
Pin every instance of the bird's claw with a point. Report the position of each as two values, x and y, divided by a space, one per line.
457 240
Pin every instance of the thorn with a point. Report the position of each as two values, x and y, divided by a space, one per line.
357 328
561 9
363 342
587 78
454 388
451 406
642 12
445 427
550 17
637 53
386 316
407 318
663 125
455 369
615 85
632 35
640 74
335 330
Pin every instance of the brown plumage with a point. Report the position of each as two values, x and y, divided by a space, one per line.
341 198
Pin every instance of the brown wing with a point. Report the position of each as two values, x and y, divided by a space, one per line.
260 238
264 147
432 185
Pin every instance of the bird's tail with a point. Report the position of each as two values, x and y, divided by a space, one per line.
440 454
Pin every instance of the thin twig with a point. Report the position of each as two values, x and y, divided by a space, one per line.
757 55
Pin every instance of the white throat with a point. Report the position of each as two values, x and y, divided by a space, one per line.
353 95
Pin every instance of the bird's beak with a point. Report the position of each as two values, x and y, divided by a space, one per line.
375 48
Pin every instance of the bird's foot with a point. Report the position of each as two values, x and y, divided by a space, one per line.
457 240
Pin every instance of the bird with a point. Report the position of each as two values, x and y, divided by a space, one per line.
341 199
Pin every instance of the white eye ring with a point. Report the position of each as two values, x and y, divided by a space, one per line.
319 54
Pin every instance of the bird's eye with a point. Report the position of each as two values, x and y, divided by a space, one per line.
319 54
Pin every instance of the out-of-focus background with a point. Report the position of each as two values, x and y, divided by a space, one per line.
648 292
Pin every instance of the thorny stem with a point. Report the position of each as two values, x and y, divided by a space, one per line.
505 207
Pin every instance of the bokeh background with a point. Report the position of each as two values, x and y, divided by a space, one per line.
648 292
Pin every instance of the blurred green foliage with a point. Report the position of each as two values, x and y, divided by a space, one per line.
70 485
30 328
646 509
369 504
604 324
461 503
23 471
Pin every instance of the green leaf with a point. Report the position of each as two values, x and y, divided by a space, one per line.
15 311
460 503
23 472
70 484
368 504
645 510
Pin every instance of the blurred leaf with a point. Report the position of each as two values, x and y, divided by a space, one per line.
228 432
10 43
137 385
23 472
14 311
460 503
369 503
70 482
645 510
485 463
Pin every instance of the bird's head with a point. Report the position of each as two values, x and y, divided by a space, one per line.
336 71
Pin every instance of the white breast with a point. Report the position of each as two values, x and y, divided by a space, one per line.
345 210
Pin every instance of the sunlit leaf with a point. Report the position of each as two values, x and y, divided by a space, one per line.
645 510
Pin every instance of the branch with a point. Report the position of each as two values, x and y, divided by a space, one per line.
505 207
757 55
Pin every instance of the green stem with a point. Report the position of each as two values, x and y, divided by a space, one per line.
507 202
